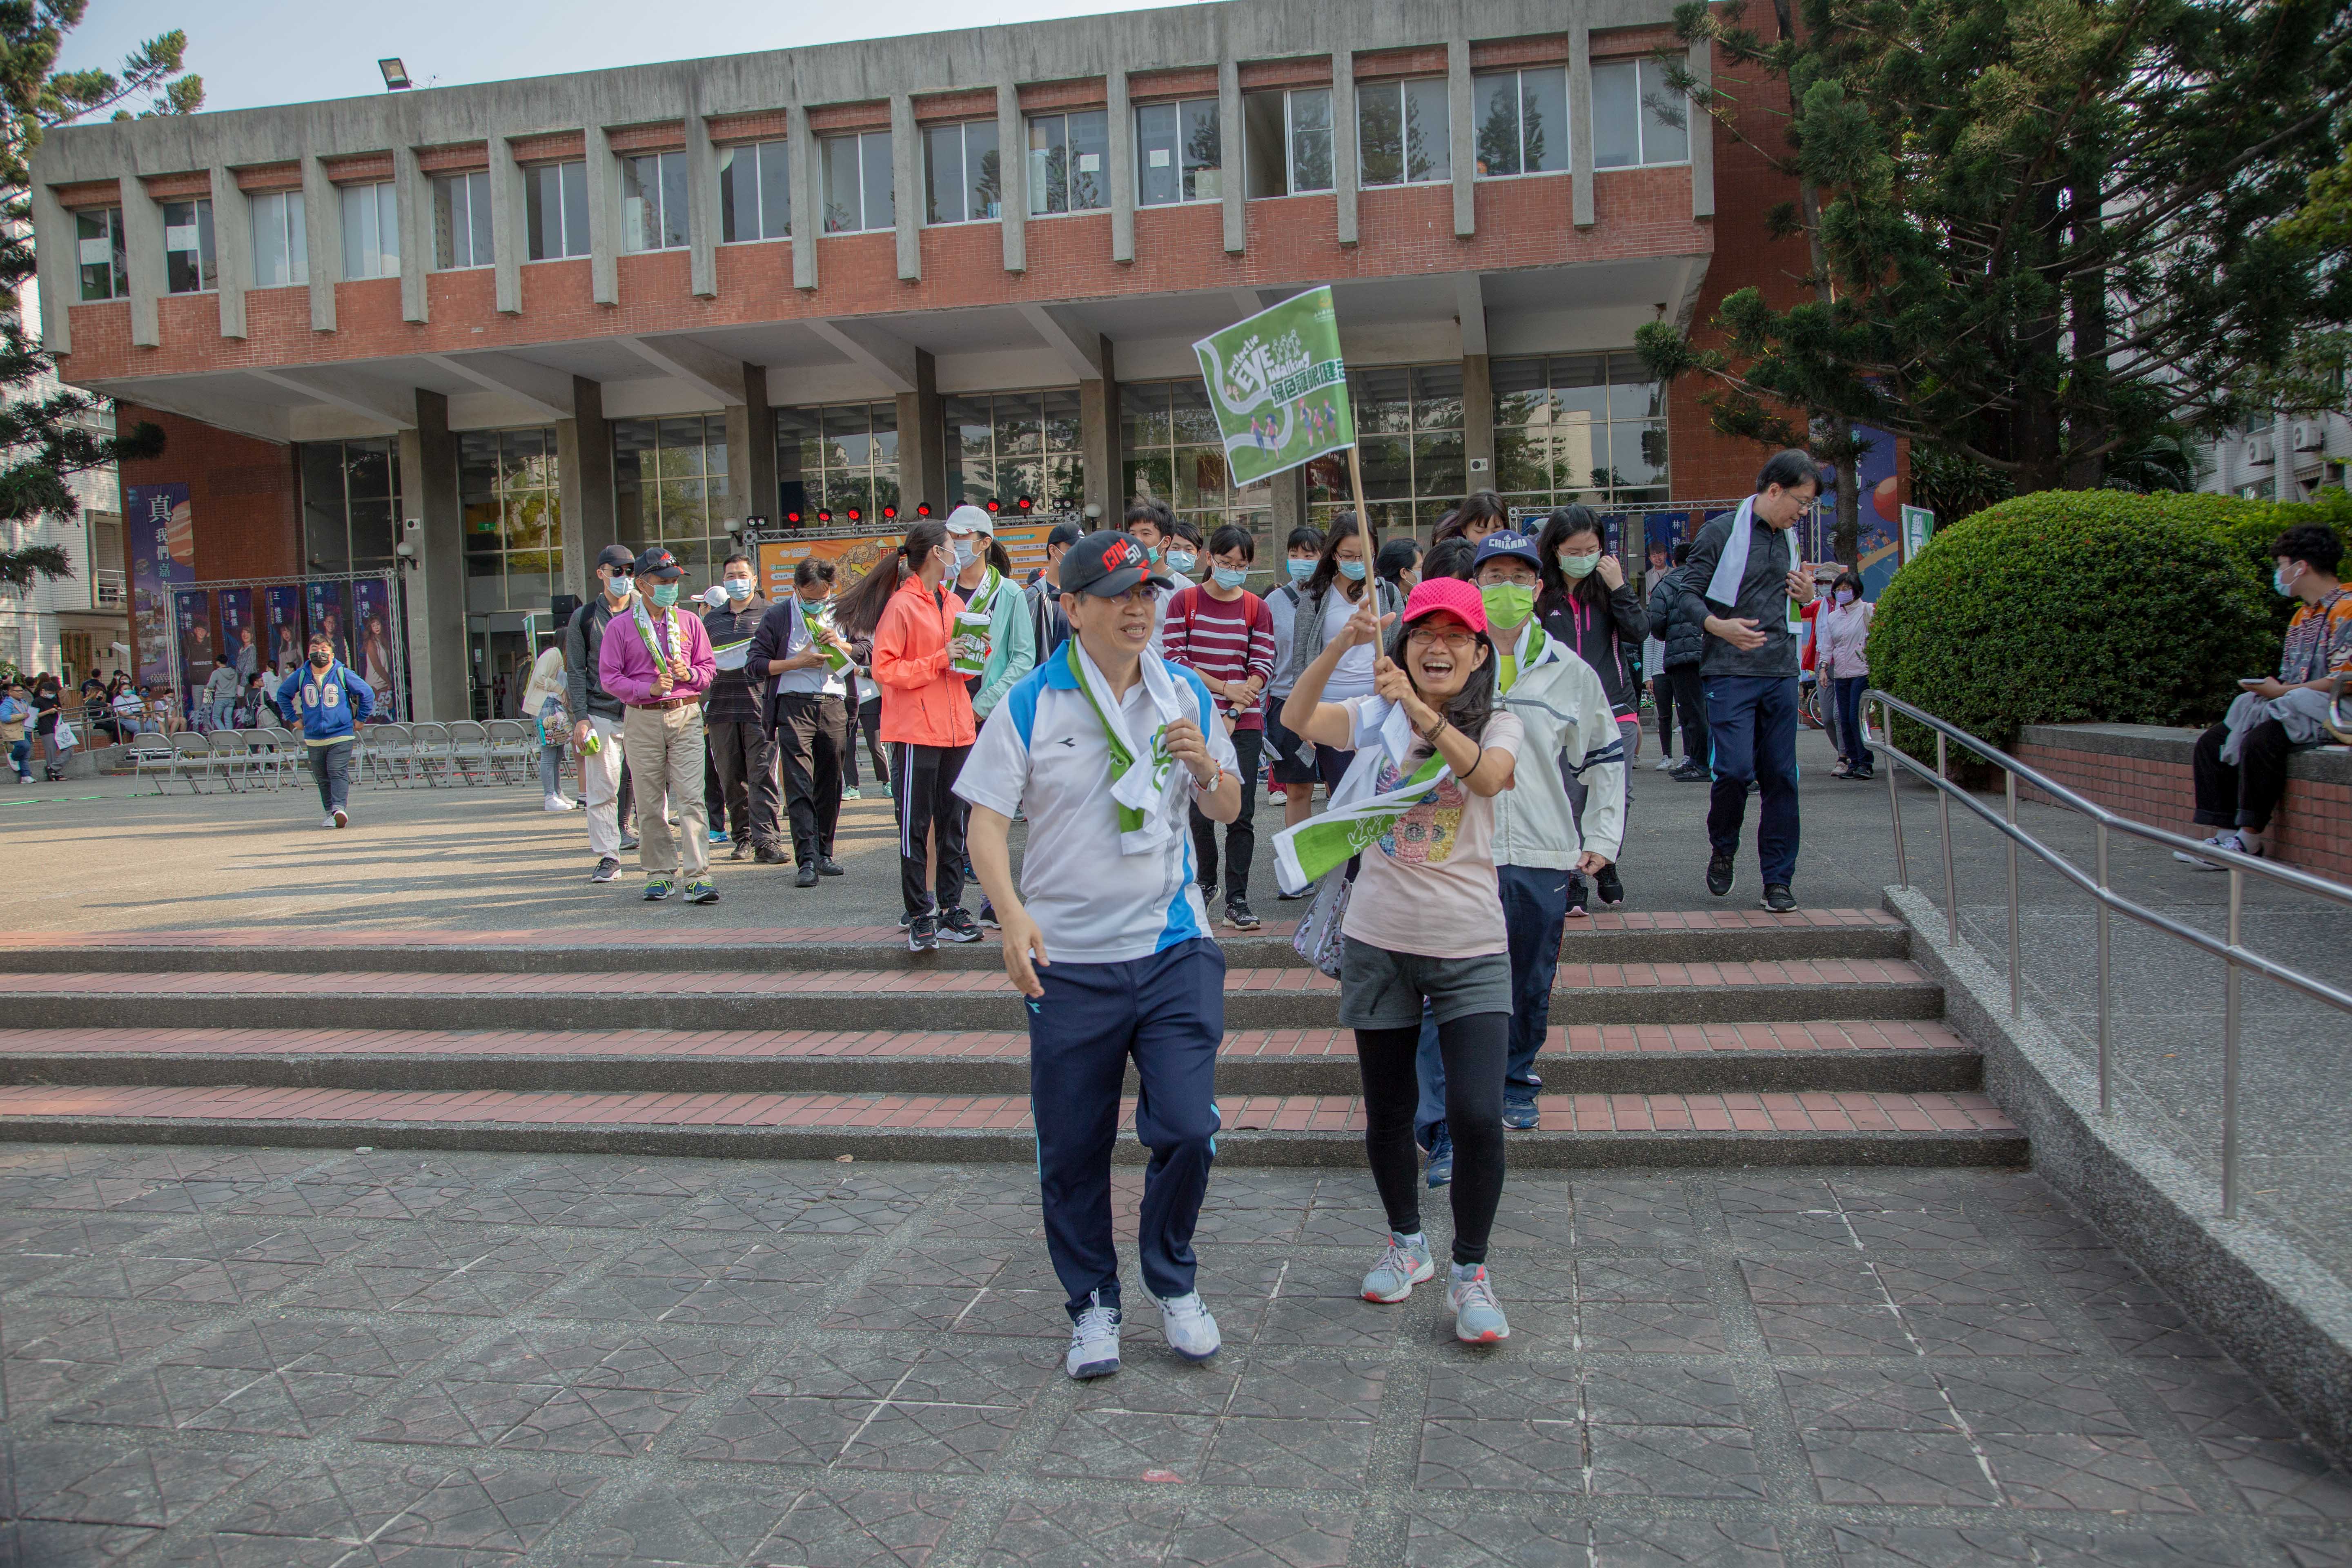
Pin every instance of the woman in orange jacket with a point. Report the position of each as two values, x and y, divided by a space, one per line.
926 719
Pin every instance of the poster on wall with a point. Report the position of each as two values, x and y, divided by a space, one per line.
281 629
372 620
240 638
192 609
329 614
160 528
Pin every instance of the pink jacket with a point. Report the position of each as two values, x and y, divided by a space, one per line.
625 668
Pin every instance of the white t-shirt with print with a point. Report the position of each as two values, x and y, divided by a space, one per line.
1427 885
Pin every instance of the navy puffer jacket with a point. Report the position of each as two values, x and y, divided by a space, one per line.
1685 639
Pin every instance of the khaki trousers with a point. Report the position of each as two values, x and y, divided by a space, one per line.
664 752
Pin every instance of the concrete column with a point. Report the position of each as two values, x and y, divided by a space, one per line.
1462 131
1478 421
1233 178
1346 172
701 203
1099 443
808 208
922 452
1120 151
143 237
604 219
1580 121
56 252
435 584
1013 174
510 227
583 470
1702 133
232 250
906 186
412 197
752 448
323 216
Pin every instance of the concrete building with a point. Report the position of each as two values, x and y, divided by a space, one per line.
507 324
2286 459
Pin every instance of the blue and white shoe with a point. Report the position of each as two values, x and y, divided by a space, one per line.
1403 1265
1478 1318
1094 1342
1192 1331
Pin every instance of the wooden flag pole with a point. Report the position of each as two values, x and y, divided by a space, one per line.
1363 526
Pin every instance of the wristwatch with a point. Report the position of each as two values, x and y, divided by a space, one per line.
1214 780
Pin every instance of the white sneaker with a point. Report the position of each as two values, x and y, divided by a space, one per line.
1663 764
340 817
329 821
2225 839
1192 1331
1094 1342
556 803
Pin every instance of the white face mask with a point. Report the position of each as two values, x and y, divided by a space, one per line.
966 553
1845 597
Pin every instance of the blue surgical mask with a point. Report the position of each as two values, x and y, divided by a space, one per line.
1181 560
1231 576
1353 571
738 589
965 553
2278 581
1301 570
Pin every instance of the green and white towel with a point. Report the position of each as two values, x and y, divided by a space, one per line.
968 651
1140 775
821 631
1357 815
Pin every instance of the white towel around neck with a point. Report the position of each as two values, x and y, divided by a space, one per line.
1145 786
1731 567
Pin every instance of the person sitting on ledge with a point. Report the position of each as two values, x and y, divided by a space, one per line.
2240 762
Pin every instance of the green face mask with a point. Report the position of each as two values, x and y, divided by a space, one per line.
1578 565
1507 604
662 595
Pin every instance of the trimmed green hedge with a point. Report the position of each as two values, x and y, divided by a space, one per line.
2070 606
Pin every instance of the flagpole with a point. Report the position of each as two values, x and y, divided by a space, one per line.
1363 523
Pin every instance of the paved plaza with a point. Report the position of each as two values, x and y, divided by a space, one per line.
273 1357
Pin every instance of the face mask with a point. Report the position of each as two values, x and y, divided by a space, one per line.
1182 560
1507 604
1845 596
1353 571
663 594
2278 581
738 589
321 659
1231 576
1301 570
1578 565
964 552
621 587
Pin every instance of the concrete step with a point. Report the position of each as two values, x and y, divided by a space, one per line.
1764 991
1813 1128
1604 1058
1699 936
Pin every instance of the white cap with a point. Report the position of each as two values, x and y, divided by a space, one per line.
715 596
970 518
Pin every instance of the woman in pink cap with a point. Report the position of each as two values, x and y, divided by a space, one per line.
1433 748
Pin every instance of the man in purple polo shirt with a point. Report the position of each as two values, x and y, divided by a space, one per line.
658 663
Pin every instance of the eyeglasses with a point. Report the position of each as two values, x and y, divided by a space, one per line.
1456 640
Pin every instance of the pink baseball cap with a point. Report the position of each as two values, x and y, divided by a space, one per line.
1432 594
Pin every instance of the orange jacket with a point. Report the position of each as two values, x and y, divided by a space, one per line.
922 702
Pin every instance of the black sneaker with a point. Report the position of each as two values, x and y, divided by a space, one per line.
1606 887
1687 772
922 934
1208 895
826 865
906 920
1779 899
606 870
988 916
1305 892
629 841
1719 875
768 855
1239 915
805 877
1576 899
955 925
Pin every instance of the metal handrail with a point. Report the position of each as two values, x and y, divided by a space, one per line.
2233 955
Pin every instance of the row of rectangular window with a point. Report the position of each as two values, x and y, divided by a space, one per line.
1404 137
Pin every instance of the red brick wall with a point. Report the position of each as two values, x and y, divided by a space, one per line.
2313 828
241 490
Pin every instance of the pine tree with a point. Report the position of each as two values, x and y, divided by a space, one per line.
2043 230
47 437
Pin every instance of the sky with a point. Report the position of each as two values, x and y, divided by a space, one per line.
253 53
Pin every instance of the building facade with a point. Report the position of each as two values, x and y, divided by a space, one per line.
476 333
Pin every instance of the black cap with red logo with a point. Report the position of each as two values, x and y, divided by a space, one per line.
1107 563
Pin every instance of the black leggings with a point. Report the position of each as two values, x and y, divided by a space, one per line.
1475 1049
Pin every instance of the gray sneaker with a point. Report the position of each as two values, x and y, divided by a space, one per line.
1403 1265
1094 1342
1192 1331
606 870
1478 1318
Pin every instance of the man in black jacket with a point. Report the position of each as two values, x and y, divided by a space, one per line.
596 714
732 721
1744 586
1679 686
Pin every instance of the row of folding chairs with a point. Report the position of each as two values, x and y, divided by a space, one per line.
465 751
239 759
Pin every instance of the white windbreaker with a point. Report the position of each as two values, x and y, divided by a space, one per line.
1567 715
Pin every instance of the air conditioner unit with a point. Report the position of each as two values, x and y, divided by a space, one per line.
2258 449
2310 436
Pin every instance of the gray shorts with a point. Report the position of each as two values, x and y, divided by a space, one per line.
1383 990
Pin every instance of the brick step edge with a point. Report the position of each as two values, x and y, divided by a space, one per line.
1902 1069
1603 940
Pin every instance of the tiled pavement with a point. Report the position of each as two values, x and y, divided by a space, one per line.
261 1357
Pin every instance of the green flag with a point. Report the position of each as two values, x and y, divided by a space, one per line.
1279 387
